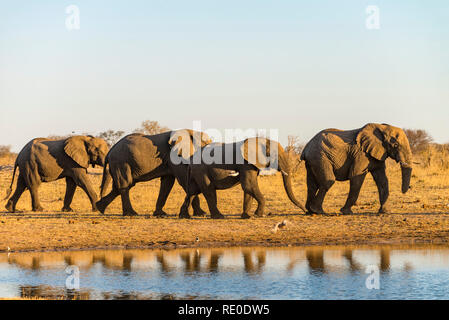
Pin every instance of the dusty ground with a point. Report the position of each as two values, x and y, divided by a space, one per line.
420 216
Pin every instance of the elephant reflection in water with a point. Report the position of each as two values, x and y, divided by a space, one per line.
316 263
250 266
192 261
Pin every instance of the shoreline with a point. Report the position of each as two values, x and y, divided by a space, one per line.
212 245
435 240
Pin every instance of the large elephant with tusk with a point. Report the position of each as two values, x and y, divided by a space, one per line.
223 165
337 155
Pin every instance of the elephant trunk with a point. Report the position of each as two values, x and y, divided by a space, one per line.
405 160
406 175
287 178
288 189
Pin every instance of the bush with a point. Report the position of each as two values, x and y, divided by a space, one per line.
151 127
111 136
419 139
294 149
5 151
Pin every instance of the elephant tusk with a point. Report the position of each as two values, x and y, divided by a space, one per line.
234 173
284 173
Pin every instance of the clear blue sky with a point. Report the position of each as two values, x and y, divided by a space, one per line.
299 66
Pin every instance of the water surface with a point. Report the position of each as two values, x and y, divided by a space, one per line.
232 273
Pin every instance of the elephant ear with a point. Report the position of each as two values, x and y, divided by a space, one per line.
186 142
200 139
75 148
370 139
260 152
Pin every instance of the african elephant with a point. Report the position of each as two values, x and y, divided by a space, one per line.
46 160
348 155
246 158
137 158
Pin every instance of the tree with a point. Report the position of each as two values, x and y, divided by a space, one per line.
419 139
111 136
294 149
151 127
5 151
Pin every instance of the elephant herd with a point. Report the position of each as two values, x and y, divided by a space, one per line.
201 166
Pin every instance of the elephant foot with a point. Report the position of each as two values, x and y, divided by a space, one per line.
217 216
199 213
129 213
384 210
38 209
259 215
95 209
67 209
101 207
346 210
160 214
184 215
9 206
245 216
312 210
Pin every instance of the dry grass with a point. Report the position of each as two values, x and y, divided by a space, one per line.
421 215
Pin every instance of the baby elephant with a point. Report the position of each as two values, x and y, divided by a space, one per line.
225 165
46 160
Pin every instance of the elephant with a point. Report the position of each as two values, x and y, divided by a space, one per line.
226 164
138 157
336 155
46 160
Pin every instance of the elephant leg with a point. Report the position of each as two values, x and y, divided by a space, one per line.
167 183
208 190
325 178
82 181
197 211
312 189
211 197
20 188
184 212
106 201
69 193
35 202
354 191
251 186
247 203
381 180
126 203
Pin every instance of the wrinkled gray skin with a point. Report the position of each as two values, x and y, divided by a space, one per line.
45 160
211 175
137 158
349 155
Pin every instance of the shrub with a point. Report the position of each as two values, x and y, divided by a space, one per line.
151 127
419 139
5 151
111 136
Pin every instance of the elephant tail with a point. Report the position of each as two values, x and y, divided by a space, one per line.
8 192
106 180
